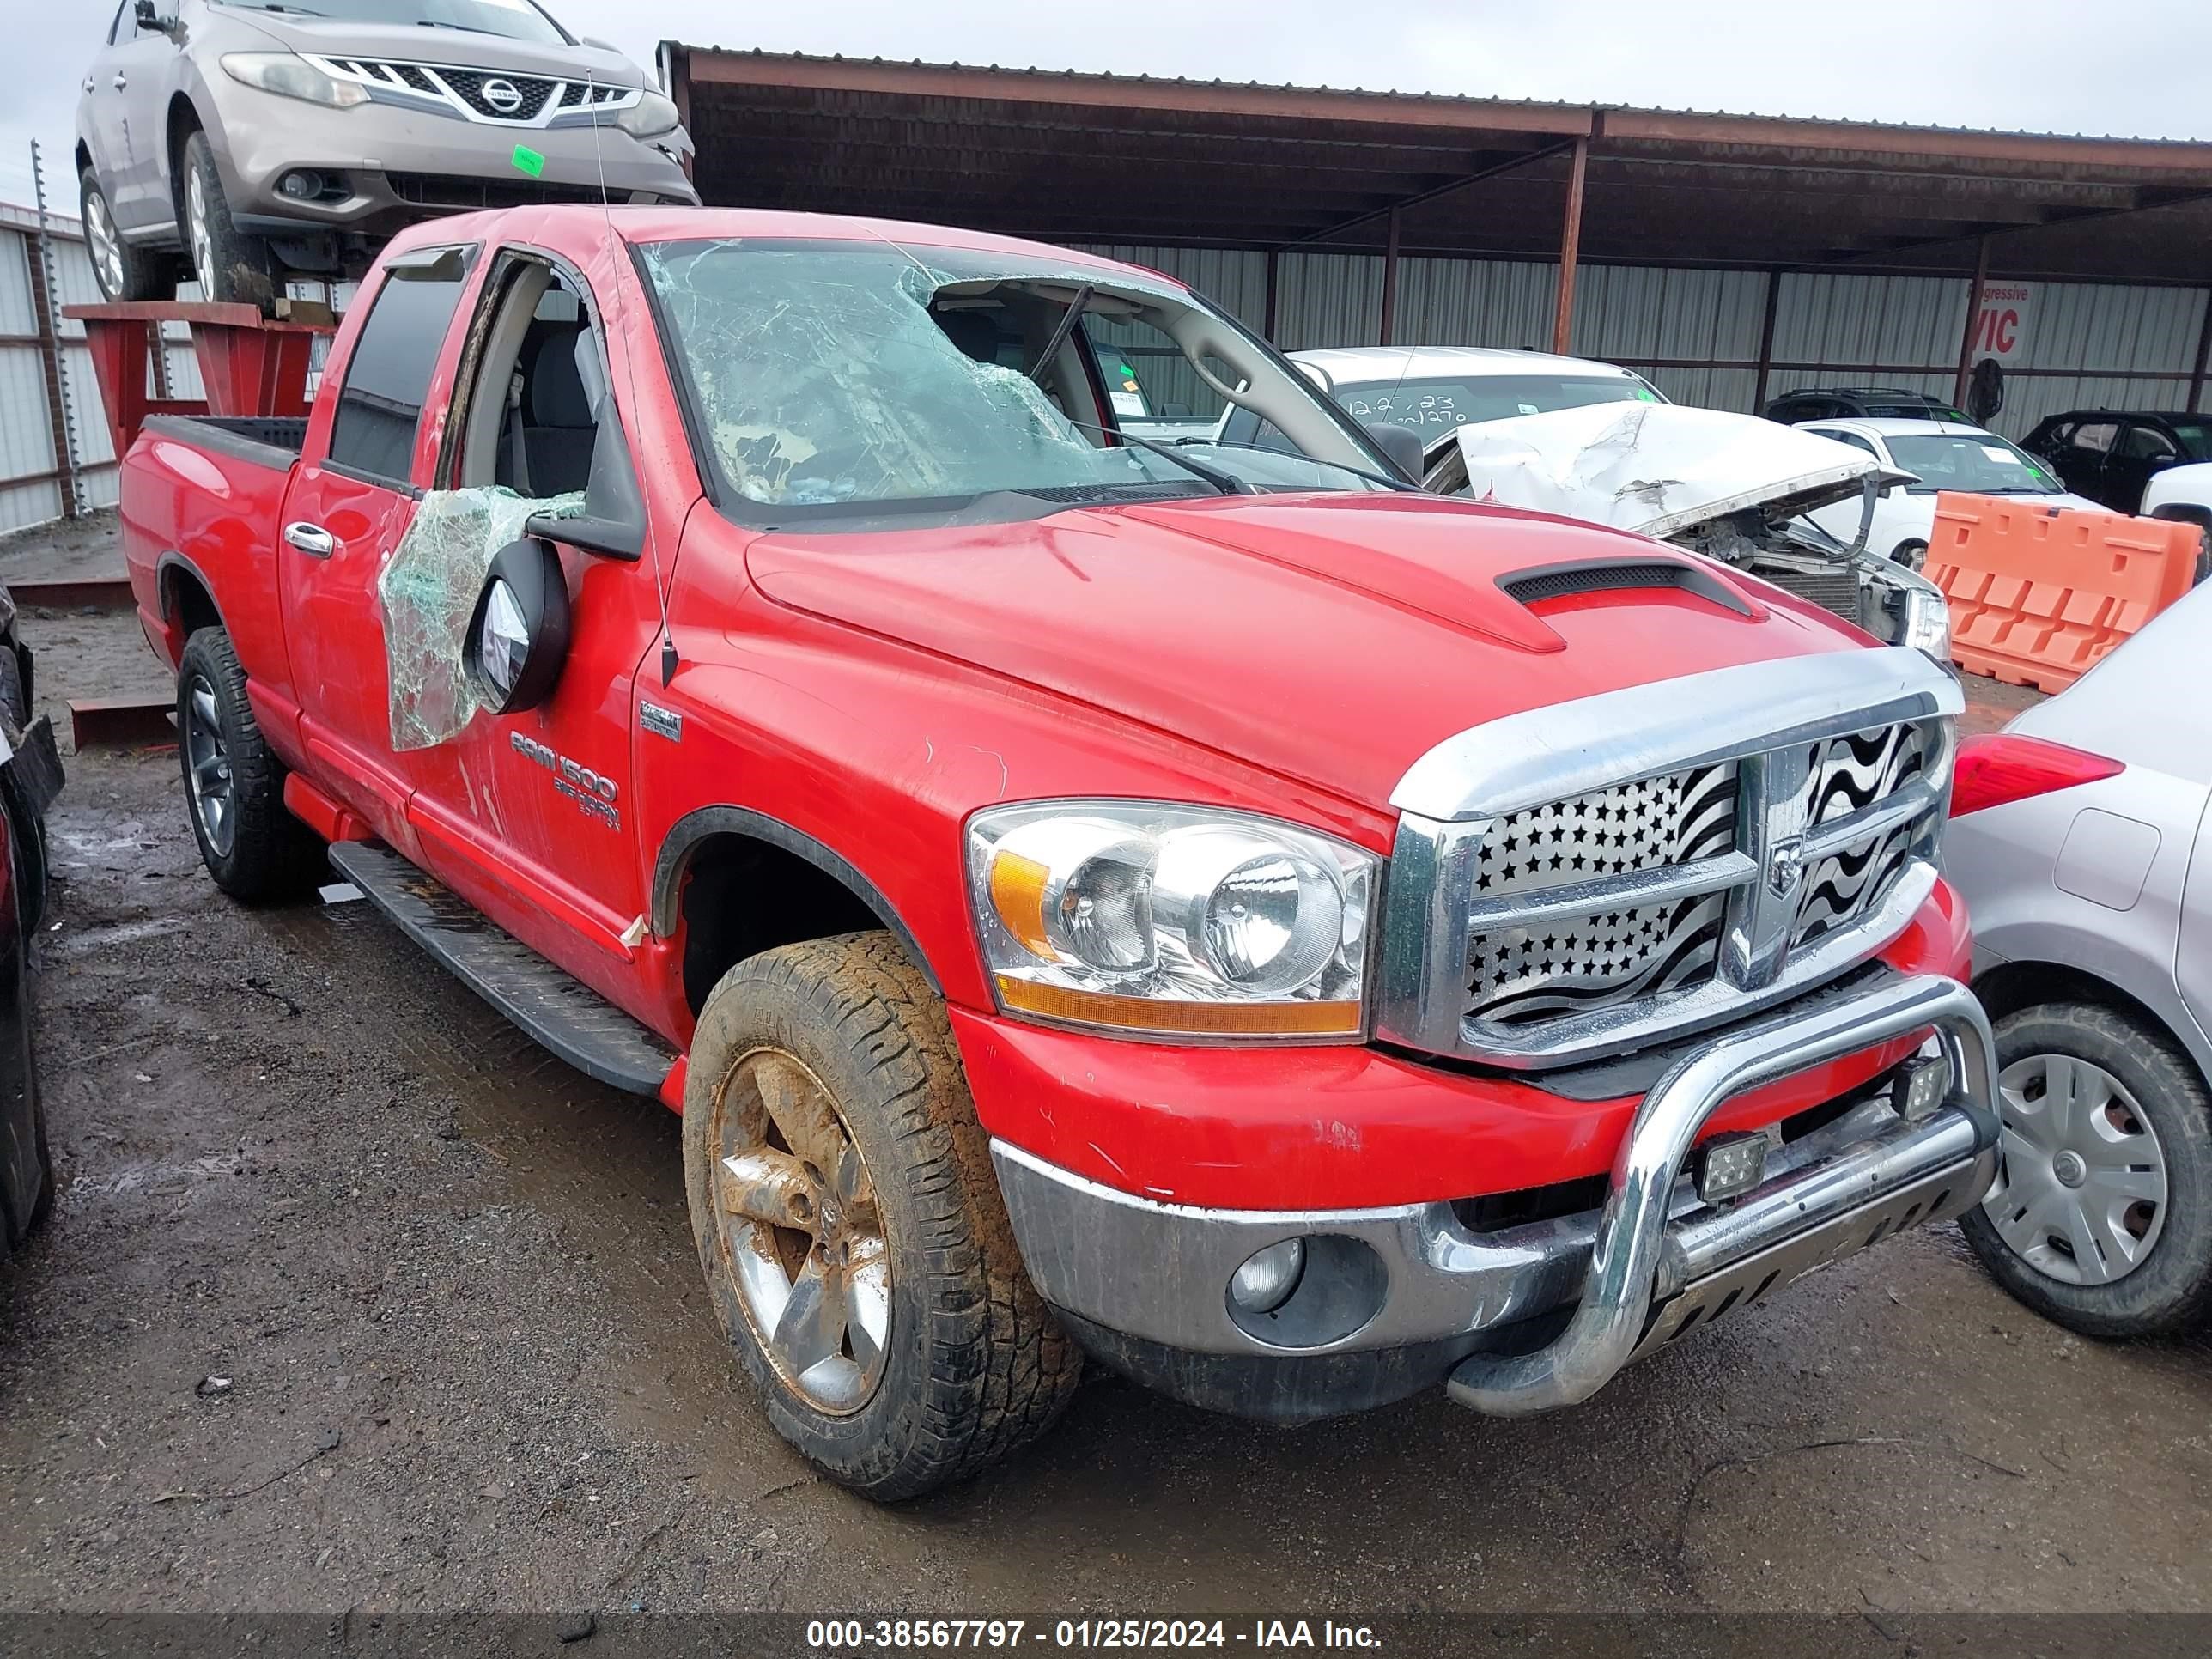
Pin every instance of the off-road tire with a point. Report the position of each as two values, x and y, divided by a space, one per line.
975 1365
239 268
272 855
2171 1290
144 273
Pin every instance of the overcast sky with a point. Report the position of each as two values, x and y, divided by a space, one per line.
2044 65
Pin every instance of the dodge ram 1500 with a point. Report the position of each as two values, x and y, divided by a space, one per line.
1292 938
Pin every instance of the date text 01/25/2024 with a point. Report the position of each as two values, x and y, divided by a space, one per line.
836 1635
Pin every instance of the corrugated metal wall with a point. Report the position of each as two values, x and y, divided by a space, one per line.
1696 333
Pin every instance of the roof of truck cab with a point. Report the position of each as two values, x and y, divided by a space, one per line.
1395 362
572 223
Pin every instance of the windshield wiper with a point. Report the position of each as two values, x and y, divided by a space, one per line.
1227 482
1399 485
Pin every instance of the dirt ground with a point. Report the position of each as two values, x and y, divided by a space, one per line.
354 1300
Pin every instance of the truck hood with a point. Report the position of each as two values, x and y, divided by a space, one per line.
1656 469
1332 639
334 37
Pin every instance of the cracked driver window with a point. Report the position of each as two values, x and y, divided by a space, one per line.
831 374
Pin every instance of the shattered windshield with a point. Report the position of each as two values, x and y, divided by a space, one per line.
829 375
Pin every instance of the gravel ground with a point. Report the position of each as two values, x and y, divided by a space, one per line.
354 1300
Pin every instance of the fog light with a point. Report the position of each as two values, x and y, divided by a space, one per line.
302 185
1922 1087
1730 1166
1265 1282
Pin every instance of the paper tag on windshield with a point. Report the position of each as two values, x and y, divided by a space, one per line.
1529 409
1128 403
2004 455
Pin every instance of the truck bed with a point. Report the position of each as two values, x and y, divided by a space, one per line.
273 440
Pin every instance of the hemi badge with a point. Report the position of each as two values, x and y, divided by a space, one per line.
666 722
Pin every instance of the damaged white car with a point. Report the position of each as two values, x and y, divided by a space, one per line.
1732 486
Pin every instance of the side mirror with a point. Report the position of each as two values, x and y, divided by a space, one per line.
518 636
1402 446
150 20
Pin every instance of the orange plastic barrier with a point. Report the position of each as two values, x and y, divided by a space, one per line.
2040 595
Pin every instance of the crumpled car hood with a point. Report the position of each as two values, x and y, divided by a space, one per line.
1332 639
1655 468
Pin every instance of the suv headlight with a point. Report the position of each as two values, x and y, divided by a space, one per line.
651 116
291 75
1180 921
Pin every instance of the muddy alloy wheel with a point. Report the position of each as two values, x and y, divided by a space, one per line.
800 1231
233 784
855 1241
207 767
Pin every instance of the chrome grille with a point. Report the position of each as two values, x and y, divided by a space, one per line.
1849 774
1518 973
1793 835
538 101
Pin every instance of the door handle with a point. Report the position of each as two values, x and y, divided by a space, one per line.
119 82
312 539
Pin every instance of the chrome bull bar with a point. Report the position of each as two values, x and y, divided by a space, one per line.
1638 1258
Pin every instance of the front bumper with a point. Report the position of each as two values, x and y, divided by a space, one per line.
1409 1296
401 166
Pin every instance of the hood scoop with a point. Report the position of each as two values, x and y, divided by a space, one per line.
1537 583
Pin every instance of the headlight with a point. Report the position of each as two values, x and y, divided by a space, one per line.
1927 624
292 76
651 116
1170 920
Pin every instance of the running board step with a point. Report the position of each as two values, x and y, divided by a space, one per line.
560 1011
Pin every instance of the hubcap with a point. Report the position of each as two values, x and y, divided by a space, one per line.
207 767
801 1234
196 215
107 247
2081 1192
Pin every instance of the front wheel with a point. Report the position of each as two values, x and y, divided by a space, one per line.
855 1244
230 264
2101 1215
1912 555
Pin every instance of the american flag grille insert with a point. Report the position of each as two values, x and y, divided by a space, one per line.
1619 952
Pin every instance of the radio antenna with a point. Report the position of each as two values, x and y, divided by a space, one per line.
668 662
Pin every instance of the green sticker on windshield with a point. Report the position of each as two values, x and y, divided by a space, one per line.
1644 394
529 161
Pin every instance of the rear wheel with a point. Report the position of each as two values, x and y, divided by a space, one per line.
234 785
855 1241
2101 1216
230 264
123 272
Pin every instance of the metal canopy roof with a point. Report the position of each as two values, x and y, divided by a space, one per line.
1097 158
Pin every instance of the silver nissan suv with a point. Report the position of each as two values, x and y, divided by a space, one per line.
237 143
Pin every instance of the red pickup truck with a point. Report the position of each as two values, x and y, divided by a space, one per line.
1211 908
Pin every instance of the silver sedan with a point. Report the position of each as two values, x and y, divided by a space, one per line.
2075 840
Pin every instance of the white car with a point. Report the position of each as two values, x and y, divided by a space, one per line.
1431 389
1941 455
1746 491
2075 841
